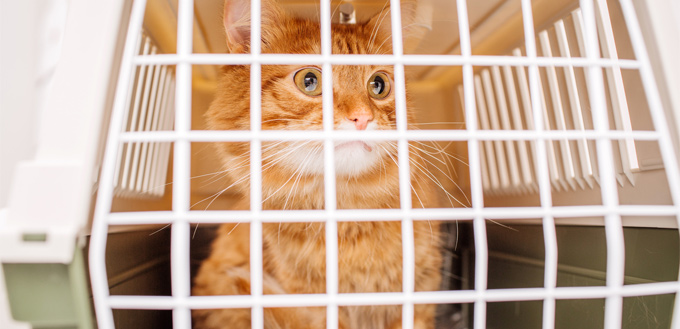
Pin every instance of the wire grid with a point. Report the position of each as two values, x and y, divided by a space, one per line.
181 217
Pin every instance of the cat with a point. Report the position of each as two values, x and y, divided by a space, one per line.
370 253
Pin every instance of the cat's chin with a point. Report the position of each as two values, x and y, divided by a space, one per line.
355 158
352 158
353 144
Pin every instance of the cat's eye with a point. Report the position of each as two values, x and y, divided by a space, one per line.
379 85
308 80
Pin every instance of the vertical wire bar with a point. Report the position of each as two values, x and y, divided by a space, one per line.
477 197
99 233
505 124
179 248
613 228
550 274
331 226
549 237
256 278
575 102
481 271
408 248
657 113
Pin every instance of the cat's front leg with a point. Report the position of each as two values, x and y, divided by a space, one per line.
236 281
227 273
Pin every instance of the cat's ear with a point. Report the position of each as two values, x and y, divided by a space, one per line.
415 22
237 21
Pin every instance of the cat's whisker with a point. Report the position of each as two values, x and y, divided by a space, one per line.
417 182
444 153
376 27
195 230
440 151
455 246
434 179
443 162
269 147
289 120
233 228
414 125
318 11
264 168
298 174
503 225
160 229
224 173
215 173
217 194
289 150
383 166
396 163
285 183
420 155
305 162
377 51
404 36
335 9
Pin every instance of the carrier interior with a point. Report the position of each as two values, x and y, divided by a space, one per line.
138 256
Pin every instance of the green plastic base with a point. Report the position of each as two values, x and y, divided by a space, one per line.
50 296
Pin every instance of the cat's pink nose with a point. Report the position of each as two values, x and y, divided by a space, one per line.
361 119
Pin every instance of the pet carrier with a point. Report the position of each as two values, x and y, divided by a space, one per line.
553 127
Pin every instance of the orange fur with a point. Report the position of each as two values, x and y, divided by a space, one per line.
370 253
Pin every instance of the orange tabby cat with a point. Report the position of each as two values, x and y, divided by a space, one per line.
370 253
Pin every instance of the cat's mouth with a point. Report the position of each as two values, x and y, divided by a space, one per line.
354 144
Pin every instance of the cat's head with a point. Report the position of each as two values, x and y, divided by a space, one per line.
363 95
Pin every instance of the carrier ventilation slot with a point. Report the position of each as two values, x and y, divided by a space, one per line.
504 103
142 166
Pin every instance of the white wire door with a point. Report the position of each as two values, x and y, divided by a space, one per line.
485 138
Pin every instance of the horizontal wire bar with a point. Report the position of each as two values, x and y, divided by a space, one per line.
391 298
415 135
429 60
276 216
